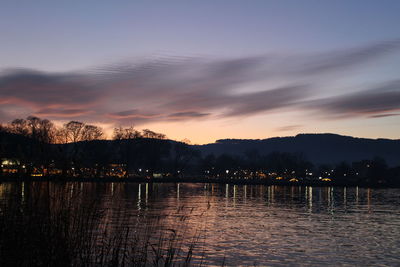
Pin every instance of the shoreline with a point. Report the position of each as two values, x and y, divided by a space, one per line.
194 180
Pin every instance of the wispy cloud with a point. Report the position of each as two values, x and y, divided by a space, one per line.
189 88
289 128
340 60
384 115
62 112
380 101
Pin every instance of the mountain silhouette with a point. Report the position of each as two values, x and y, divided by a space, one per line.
317 148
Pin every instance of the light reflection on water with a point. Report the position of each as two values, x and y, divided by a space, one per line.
263 225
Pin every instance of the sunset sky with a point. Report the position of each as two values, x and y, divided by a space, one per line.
205 70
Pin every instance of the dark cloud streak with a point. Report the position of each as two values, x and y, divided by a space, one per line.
380 101
187 88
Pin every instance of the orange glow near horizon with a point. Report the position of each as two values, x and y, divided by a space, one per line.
208 131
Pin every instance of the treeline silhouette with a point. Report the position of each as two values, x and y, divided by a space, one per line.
37 147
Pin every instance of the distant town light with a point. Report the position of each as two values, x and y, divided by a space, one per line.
227 171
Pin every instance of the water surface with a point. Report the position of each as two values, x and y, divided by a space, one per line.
258 225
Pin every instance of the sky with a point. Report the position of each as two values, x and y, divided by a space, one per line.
205 70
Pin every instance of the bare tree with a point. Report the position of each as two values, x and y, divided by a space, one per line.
150 134
19 126
125 137
42 132
38 129
33 124
73 131
161 136
118 133
61 135
126 133
91 132
41 129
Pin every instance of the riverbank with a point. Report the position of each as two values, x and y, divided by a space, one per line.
317 183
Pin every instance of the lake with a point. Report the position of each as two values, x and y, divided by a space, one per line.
253 224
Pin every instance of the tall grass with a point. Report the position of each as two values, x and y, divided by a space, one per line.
57 226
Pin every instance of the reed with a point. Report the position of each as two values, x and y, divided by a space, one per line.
57 226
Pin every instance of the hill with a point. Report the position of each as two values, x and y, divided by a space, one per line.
318 148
